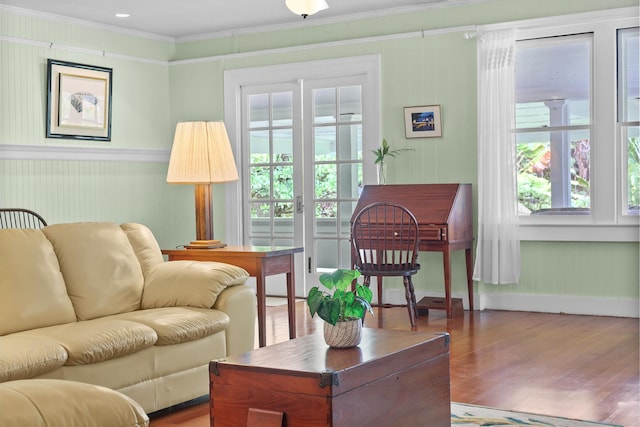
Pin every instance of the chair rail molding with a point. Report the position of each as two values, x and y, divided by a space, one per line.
83 153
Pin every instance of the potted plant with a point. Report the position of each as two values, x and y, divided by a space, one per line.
383 151
341 309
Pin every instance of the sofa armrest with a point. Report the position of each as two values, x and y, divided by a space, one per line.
239 303
189 283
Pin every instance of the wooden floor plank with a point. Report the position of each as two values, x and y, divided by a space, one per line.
585 367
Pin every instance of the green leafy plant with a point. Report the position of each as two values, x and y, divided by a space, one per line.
385 150
381 153
336 303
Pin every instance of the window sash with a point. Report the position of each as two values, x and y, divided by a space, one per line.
607 221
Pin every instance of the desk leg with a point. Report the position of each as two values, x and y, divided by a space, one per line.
446 257
291 298
467 253
262 307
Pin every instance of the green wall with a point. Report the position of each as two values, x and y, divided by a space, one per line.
158 82
61 188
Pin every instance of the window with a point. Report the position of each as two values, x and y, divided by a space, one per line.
577 128
628 116
553 124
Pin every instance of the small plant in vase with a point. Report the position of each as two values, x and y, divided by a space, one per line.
383 151
341 309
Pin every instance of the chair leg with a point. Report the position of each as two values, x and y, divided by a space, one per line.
366 281
411 299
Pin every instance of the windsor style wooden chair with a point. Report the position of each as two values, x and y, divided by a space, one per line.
20 218
385 242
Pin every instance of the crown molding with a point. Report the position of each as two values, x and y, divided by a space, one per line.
80 22
398 36
315 20
86 51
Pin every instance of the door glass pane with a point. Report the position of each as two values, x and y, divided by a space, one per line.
351 180
326 209
283 145
260 210
326 181
258 110
345 254
282 108
346 210
350 103
326 254
351 142
325 143
283 182
259 146
260 182
324 105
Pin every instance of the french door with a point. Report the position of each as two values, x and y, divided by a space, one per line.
303 162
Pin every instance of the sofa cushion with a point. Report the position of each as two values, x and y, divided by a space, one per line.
60 403
144 245
23 356
98 340
99 267
175 325
31 285
189 283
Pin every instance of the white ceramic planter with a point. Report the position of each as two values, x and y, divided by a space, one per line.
344 334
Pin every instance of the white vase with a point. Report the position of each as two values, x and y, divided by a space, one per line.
343 334
382 173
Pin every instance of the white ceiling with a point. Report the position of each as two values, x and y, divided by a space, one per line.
185 18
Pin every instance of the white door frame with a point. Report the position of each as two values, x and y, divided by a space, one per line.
366 65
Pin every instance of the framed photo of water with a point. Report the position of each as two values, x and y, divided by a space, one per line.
422 122
78 101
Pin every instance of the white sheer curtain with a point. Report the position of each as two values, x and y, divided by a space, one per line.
498 249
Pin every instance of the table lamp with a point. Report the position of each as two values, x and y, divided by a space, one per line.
201 155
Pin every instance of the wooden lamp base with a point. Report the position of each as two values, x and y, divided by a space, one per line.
205 244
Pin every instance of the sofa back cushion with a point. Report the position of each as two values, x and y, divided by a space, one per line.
144 245
99 267
32 290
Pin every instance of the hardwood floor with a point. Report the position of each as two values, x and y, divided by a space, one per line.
583 367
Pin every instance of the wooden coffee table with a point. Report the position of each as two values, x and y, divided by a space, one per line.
394 378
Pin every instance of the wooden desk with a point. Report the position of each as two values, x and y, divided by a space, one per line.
393 378
260 262
445 222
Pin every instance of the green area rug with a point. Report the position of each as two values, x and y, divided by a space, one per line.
464 415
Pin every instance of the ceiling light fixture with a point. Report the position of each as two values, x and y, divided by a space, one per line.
122 15
305 8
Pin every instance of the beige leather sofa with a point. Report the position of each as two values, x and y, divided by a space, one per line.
60 403
97 303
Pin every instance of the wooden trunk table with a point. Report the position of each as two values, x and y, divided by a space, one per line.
394 378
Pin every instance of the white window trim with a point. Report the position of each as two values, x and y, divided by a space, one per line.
606 222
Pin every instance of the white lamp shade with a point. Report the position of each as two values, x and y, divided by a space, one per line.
201 154
306 7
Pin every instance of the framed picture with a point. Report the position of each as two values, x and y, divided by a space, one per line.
422 122
78 101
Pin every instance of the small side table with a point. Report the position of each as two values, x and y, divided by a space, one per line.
260 262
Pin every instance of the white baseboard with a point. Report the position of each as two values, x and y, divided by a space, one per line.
592 306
